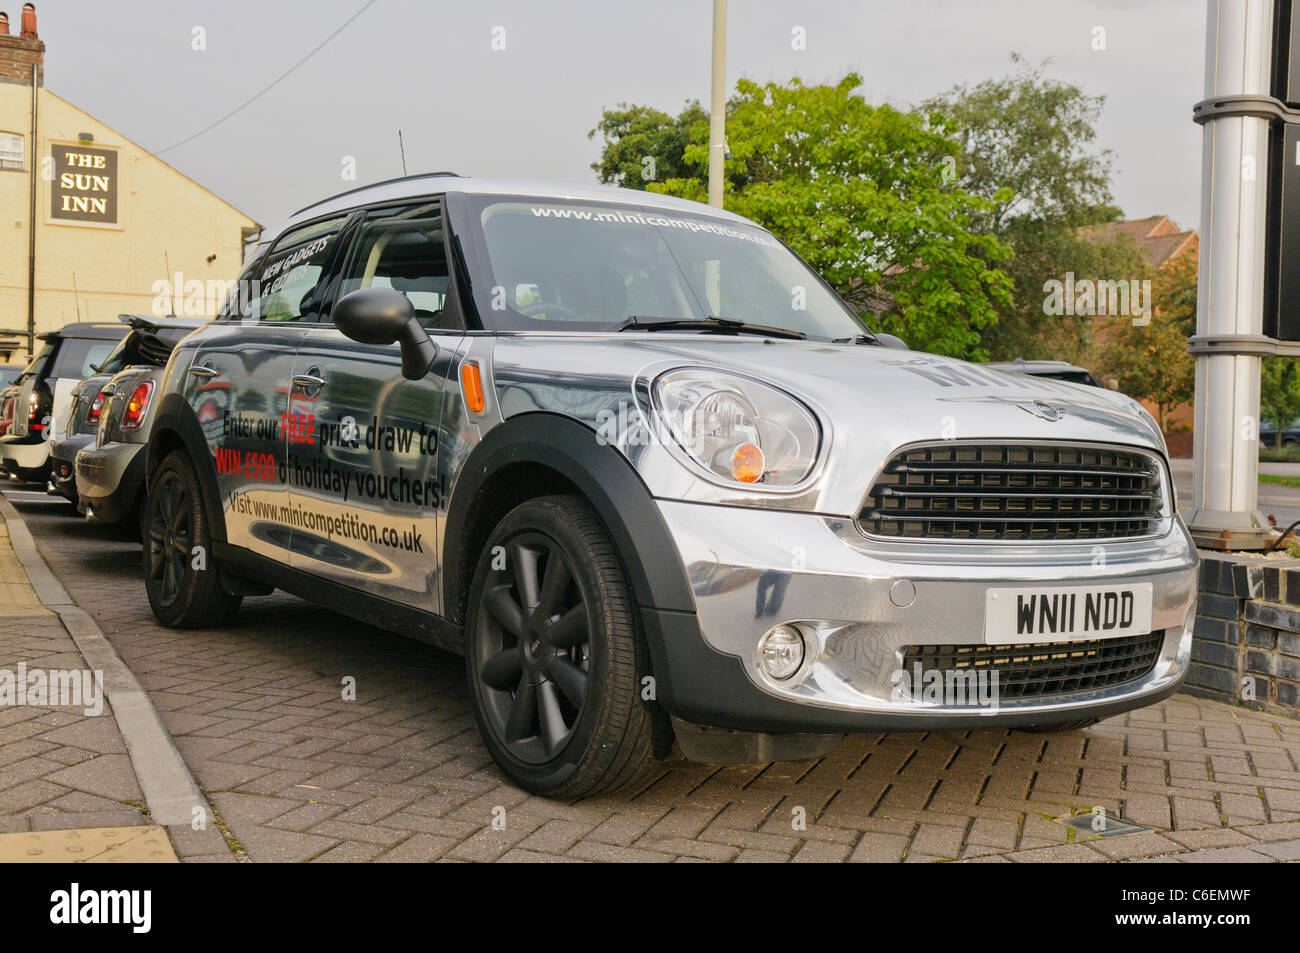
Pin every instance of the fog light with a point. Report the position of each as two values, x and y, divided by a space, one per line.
781 652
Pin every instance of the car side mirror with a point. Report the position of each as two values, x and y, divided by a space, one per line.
385 316
890 340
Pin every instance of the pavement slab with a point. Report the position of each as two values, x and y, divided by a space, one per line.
294 771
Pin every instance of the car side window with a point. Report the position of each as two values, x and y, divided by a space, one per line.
288 282
405 249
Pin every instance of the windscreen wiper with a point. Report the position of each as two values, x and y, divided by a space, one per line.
711 323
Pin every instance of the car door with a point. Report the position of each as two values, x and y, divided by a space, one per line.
362 439
239 380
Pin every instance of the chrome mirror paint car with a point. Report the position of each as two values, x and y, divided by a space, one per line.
655 477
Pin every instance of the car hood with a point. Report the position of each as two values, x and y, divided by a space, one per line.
871 400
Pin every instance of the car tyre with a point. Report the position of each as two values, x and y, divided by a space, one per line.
175 521
553 655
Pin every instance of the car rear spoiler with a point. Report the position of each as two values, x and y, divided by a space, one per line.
152 347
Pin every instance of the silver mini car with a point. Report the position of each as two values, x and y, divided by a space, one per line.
647 472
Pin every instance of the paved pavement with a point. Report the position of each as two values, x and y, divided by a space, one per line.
295 772
59 766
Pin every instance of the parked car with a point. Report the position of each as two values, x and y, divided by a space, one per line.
1269 433
8 395
64 358
147 344
581 436
1056 370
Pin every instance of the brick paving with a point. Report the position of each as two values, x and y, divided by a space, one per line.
59 767
298 773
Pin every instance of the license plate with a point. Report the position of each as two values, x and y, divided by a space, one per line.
1015 616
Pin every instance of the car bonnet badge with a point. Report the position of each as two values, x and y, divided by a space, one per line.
1041 408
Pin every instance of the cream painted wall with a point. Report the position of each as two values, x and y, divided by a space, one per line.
160 212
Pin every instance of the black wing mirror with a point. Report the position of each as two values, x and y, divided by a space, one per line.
385 316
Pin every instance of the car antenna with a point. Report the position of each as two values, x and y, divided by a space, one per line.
168 265
76 298
401 145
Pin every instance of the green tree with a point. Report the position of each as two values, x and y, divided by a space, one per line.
1150 361
864 195
643 145
1025 146
1279 393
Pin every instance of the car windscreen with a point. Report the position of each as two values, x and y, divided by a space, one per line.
550 265
1074 377
77 357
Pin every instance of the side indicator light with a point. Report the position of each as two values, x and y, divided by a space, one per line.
471 386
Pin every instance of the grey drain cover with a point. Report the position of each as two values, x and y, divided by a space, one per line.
1100 823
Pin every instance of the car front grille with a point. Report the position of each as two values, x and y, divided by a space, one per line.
1014 492
1052 668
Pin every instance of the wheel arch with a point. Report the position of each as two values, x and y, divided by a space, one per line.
540 454
176 428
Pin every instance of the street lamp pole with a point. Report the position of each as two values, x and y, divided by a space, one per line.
718 104
1230 293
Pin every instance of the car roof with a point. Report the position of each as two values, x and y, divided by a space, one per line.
152 321
414 186
86 329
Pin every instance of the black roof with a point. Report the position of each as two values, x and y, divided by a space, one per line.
95 330
152 321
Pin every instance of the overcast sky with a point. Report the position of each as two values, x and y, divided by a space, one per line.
428 68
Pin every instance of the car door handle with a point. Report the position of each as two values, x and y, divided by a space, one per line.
203 370
308 381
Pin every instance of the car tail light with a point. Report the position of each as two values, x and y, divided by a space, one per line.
39 404
137 406
96 407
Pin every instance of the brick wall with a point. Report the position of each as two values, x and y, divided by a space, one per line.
1248 627
17 54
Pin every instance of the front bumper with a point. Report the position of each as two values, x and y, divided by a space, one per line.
109 480
752 569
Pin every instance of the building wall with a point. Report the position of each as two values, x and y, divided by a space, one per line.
162 217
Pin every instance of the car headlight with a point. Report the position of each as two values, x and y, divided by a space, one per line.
739 430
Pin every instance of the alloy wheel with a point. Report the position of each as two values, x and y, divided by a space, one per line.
170 537
533 642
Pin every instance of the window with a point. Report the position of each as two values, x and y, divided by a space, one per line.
11 151
76 355
559 265
286 284
405 250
